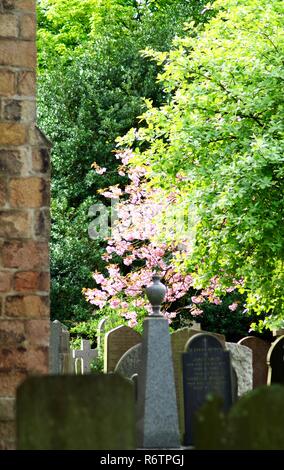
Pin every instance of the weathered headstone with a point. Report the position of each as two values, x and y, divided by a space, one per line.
100 333
60 357
206 370
241 358
86 354
255 422
117 342
260 350
88 412
129 363
275 362
179 338
78 366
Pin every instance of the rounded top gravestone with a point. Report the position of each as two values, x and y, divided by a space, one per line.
275 361
205 342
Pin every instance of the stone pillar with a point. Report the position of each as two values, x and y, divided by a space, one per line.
157 414
24 214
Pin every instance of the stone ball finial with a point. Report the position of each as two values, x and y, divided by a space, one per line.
156 293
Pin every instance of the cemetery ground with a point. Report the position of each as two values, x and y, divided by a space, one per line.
159 393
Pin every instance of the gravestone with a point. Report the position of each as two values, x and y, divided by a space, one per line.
255 422
275 362
100 333
129 363
241 359
86 354
157 424
179 338
78 366
117 342
206 370
60 357
260 350
88 412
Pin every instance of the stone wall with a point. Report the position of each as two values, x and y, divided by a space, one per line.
24 214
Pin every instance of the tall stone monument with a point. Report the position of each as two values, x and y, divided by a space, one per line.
157 424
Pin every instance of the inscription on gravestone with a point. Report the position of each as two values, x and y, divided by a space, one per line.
206 370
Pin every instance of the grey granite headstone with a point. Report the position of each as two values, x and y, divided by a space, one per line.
206 370
241 357
90 412
157 424
129 363
60 358
275 362
86 354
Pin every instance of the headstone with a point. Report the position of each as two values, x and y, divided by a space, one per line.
129 363
278 332
117 342
179 338
275 362
100 333
90 412
78 366
259 349
60 358
255 422
86 354
206 370
241 358
157 424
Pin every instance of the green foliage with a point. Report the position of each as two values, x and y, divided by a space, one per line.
219 142
91 82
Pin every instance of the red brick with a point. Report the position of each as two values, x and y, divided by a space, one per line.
26 5
10 380
8 430
27 83
8 444
5 281
7 83
28 192
44 282
10 162
37 332
7 409
37 360
12 133
18 53
11 358
3 191
26 281
28 27
14 224
12 333
29 306
12 110
25 255
41 160
8 26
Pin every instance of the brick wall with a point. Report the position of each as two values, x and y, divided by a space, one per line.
24 214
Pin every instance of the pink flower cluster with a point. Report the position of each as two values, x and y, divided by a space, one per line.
132 239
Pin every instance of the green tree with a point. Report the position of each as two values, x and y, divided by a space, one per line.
91 83
218 143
